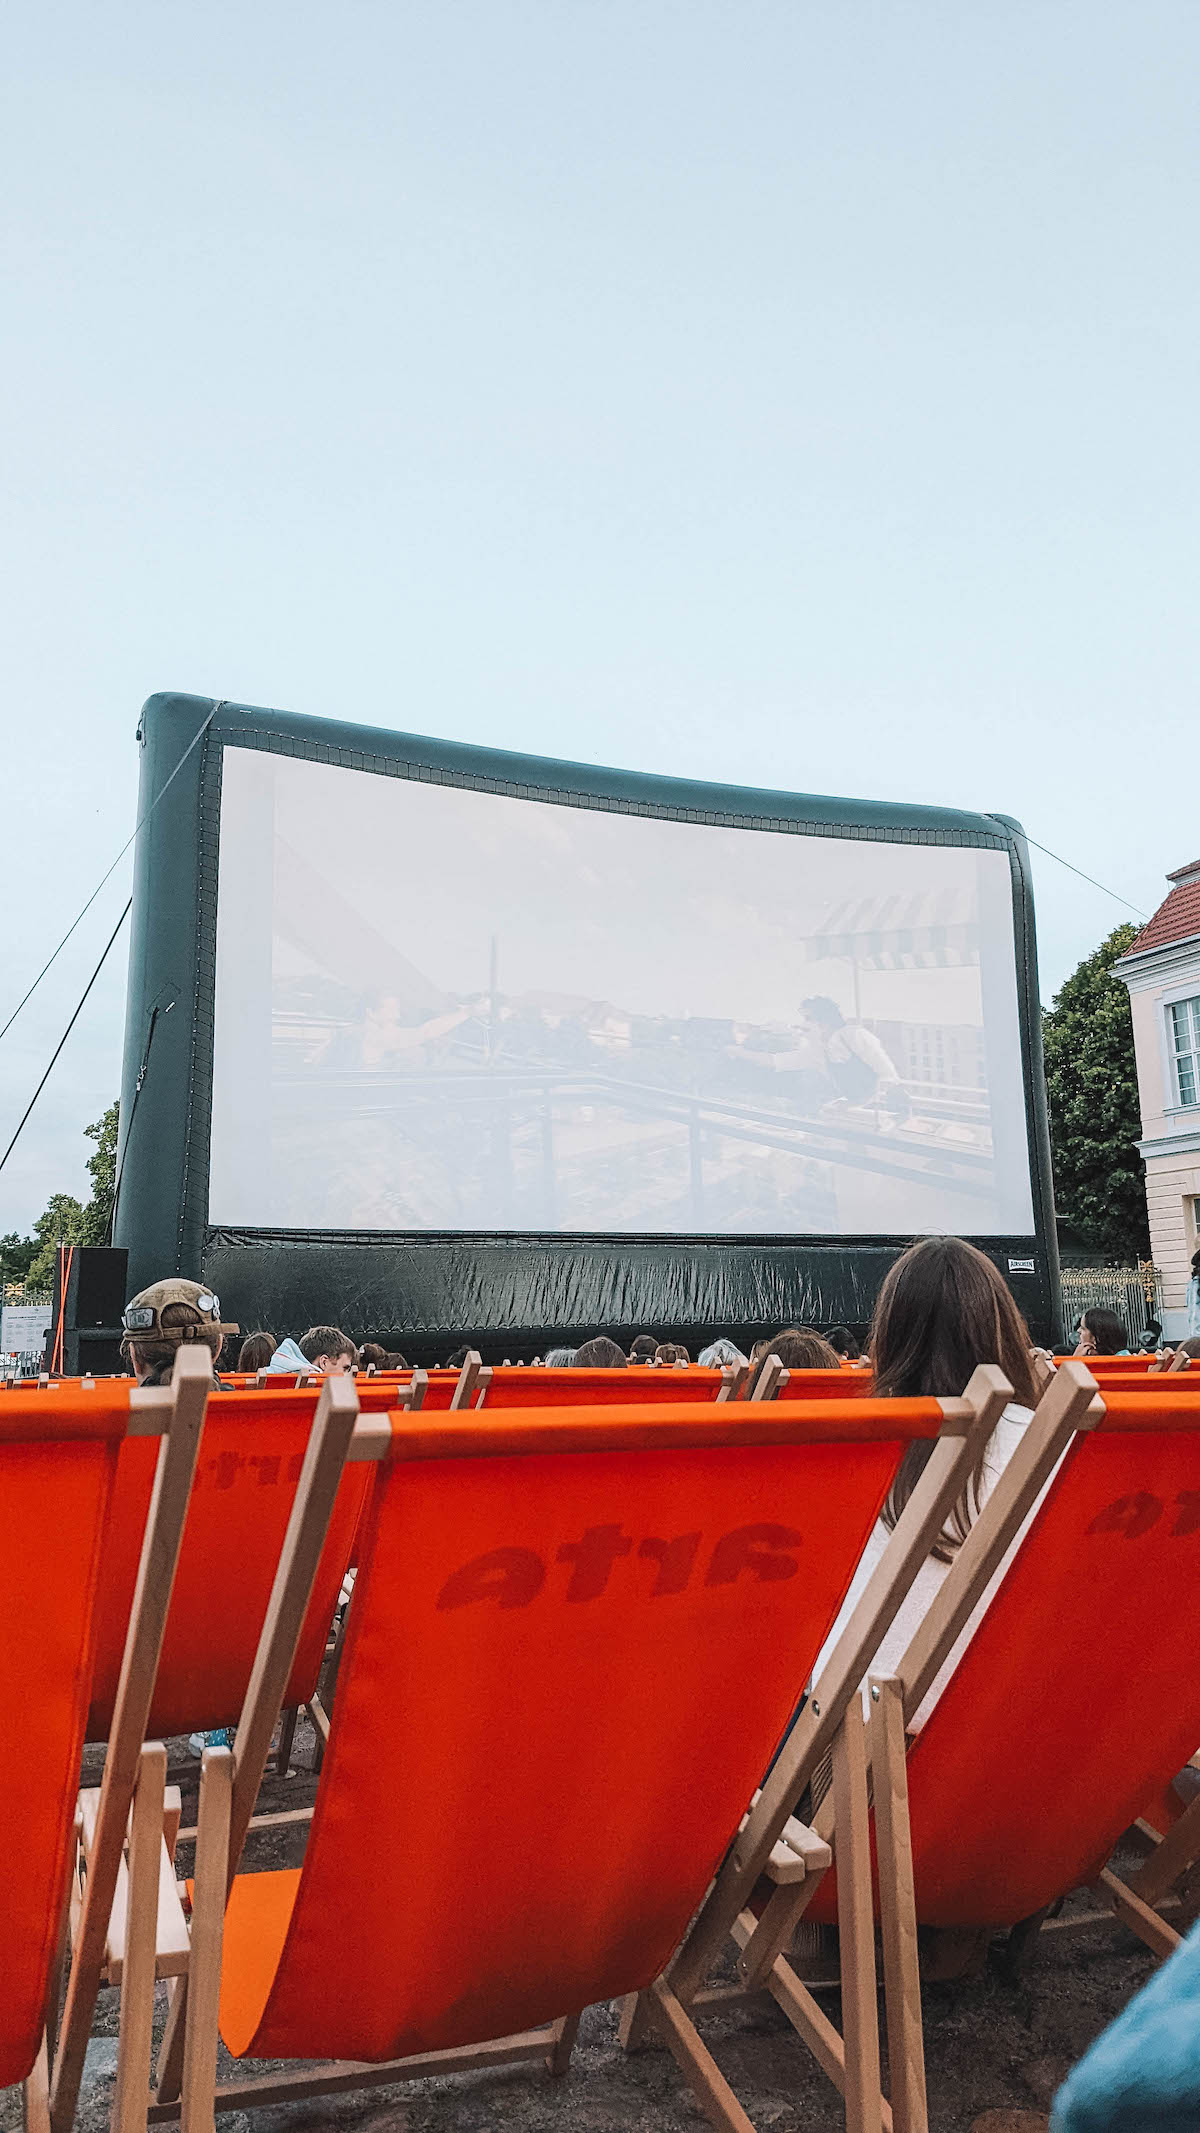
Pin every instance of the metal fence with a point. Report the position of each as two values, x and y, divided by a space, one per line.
1133 1292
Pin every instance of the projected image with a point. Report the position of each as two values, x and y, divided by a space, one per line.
439 1009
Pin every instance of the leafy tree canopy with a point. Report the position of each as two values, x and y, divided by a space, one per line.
98 1214
1095 1115
31 1259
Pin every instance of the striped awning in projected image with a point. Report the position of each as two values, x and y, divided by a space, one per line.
938 931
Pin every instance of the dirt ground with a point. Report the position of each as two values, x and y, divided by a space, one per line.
989 2043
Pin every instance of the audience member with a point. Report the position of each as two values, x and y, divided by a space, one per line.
560 1358
671 1353
600 1354
459 1357
256 1351
720 1354
843 1343
798 1348
1151 1340
323 1349
1101 1333
943 1309
162 1319
643 1348
373 1356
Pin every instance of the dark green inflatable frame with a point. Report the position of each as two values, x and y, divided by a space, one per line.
507 1292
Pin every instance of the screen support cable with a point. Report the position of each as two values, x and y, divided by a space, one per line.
1071 869
66 1033
197 737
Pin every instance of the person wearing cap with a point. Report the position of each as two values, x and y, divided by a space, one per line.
159 1320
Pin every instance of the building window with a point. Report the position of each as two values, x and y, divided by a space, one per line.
1183 1021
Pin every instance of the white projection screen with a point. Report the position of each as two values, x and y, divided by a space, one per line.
447 1010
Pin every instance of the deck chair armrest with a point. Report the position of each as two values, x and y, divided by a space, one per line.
797 1854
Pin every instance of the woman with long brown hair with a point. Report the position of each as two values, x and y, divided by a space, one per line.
943 1309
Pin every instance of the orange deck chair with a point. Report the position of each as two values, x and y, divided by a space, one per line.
254 1444
576 1640
130 1929
58 1463
1075 1697
761 1921
480 1384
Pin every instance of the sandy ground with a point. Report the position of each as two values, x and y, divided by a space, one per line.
989 2044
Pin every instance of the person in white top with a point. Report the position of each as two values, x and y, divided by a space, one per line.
943 1308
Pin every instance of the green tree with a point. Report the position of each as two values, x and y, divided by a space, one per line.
62 1223
16 1255
1095 1117
98 1214
66 1221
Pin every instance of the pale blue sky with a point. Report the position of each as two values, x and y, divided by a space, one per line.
799 394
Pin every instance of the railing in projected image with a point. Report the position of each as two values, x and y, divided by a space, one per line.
862 1138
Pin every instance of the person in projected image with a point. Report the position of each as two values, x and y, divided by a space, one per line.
854 1066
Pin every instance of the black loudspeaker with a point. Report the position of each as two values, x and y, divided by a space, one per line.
84 1340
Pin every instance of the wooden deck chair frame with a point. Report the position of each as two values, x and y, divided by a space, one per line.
1133 1902
410 1398
177 1415
769 1836
473 1380
146 1937
229 1779
833 1721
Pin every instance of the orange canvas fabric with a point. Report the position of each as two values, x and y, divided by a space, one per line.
1078 1697
246 1476
531 1387
625 1388
842 1384
58 1457
577 1637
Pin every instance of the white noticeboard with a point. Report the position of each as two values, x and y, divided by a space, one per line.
23 1328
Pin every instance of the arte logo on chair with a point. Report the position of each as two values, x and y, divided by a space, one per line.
515 1577
1134 1515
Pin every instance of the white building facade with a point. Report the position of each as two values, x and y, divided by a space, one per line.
1162 972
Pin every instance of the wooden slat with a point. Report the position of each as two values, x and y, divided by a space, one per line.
1158 1936
208 1925
771 1379
704 2077
36 2096
324 1458
1082 1923
897 1909
279 1820
967 1425
813 2024
190 1387
558 2058
856 1924
468 1380
132 2094
1064 1408
1171 1857
336 2077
